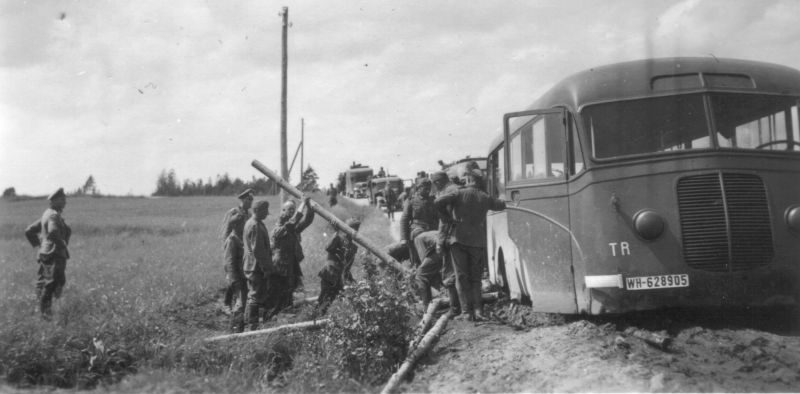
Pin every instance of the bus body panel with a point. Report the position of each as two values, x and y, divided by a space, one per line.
611 246
538 223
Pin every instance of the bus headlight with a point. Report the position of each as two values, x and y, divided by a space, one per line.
649 224
793 218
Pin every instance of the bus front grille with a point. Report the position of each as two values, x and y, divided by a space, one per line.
725 222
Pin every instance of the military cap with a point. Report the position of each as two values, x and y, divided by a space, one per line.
439 176
246 193
353 223
263 204
57 194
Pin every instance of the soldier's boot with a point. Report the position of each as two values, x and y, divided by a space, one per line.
46 304
251 315
455 305
477 303
425 295
237 322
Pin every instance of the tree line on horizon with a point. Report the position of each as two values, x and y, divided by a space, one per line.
168 185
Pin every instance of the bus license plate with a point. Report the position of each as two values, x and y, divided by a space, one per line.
657 282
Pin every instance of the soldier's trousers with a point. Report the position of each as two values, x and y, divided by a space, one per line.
279 293
256 297
428 274
51 281
237 287
412 249
468 265
329 288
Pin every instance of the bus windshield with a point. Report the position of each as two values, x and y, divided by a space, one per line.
673 123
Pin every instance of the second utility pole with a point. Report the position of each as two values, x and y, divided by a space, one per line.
284 167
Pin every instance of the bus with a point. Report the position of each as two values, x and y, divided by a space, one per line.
352 176
651 184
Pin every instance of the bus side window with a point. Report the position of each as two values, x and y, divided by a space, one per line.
497 174
577 151
536 150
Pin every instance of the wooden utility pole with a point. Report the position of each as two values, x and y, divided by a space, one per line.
302 144
284 167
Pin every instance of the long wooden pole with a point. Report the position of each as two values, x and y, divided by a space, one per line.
294 326
338 224
424 346
284 68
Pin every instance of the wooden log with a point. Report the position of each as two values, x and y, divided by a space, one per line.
424 346
304 301
424 324
655 339
487 298
338 224
286 327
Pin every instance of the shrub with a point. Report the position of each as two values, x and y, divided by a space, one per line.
369 329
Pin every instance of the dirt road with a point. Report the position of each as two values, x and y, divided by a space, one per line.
521 351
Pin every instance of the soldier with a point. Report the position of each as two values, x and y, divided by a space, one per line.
467 243
52 241
341 254
445 186
233 252
332 198
257 265
391 200
287 253
419 215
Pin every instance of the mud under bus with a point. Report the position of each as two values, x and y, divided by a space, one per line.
650 184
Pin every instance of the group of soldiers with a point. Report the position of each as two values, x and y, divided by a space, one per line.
445 234
263 269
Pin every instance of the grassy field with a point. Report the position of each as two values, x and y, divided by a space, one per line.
143 289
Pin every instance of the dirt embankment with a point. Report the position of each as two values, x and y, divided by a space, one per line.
667 351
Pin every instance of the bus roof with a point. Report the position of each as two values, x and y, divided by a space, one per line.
662 76
639 78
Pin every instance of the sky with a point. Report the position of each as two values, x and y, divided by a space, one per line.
123 90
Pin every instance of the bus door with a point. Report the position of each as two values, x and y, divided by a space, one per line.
538 213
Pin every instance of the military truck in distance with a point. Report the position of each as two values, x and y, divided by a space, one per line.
378 185
353 175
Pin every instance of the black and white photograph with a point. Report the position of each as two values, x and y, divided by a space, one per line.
400 196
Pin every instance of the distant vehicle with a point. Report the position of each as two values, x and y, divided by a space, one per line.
456 169
361 190
378 185
353 175
651 184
